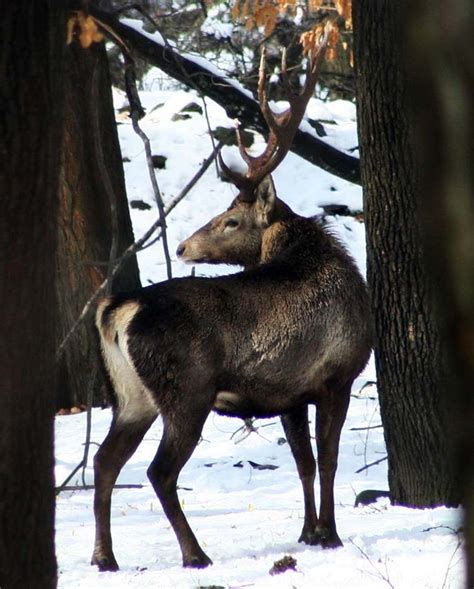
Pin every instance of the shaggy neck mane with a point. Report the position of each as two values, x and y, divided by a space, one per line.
283 237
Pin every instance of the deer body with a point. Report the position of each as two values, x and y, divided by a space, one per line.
290 330
265 342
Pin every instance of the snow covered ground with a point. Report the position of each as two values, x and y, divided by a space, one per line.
246 518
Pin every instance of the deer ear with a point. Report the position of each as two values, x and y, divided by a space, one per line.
265 198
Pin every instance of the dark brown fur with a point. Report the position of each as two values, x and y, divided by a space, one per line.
292 329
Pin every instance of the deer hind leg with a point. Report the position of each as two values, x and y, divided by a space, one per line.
182 430
135 411
296 428
119 445
331 414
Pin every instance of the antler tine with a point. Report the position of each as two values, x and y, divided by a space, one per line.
243 151
282 126
298 102
238 179
315 61
284 74
261 165
272 119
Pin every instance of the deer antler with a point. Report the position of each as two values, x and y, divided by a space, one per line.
282 126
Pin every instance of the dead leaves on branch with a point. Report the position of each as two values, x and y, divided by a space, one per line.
83 27
264 14
310 39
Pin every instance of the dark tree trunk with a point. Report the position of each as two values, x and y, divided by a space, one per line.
31 74
442 78
408 358
91 160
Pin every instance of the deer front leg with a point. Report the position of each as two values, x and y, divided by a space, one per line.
177 444
296 428
331 414
119 445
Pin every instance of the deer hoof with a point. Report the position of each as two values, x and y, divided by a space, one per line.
320 537
105 563
309 538
197 562
328 537
331 542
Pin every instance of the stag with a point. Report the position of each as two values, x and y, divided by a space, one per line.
290 330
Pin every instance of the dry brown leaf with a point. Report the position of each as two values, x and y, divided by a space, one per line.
86 29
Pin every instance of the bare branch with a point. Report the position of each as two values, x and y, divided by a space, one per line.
366 466
283 126
237 103
366 427
134 248
90 487
136 113
378 573
189 186
156 190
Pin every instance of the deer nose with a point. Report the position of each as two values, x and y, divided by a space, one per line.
180 250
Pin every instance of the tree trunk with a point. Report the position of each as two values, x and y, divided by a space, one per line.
408 359
31 74
91 162
442 77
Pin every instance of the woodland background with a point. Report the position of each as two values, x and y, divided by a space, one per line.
65 220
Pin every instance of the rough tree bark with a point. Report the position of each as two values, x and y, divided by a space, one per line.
86 220
439 54
408 357
31 73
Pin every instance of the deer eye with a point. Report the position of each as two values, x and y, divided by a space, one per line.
231 224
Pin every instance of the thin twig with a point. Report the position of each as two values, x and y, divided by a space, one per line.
366 466
89 487
189 78
208 123
455 532
249 428
244 431
87 442
450 563
156 191
135 247
204 166
136 113
189 186
144 13
368 559
366 445
360 429
68 478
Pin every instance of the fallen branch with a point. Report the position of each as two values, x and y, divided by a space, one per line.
91 487
237 102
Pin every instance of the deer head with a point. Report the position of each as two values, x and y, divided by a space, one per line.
235 236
